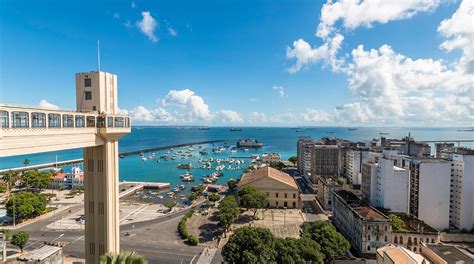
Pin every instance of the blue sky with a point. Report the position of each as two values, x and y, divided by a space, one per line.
230 62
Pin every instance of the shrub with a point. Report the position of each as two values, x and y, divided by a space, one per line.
193 241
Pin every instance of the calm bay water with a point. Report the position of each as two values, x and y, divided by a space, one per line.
281 140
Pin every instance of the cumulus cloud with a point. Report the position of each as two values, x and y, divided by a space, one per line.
189 100
257 118
280 90
142 114
45 104
133 5
229 116
127 24
148 25
316 116
172 32
116 15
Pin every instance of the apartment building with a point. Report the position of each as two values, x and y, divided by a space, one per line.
304 147
354 158
441 147
461 206
393 186
325 161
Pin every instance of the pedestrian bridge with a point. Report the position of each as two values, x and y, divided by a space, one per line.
28 130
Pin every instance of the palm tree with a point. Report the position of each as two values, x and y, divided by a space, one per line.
125 257
10 177
26 162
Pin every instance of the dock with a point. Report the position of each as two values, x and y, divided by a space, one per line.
138 186
127 153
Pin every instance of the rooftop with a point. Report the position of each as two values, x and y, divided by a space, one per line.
362 209
451 254
413 224
40 254
267 172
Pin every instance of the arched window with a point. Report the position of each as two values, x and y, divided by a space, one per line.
414 249
54 120
395 240
20 119
401 240
4 119
38 120
68 121
415 241
432 240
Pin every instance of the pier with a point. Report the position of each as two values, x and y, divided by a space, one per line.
127 153
138 186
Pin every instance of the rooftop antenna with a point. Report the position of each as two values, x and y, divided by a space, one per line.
98 54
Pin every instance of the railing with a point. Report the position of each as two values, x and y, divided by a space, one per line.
13 118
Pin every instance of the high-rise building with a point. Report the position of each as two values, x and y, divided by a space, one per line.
325 162
369 182
303 150
392 187
354 159
440 147
430 190
462 191
414 148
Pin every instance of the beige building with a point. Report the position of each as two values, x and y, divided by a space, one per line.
325 161
391 254
281 188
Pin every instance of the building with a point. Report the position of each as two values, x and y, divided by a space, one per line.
392 185
95 126
446 254
430 181
46 254
462 191
271 157
326 185
393 254
281 188
325 162
441 147
366 228
414 233
414 148
369 182
354 159
68 181
304 147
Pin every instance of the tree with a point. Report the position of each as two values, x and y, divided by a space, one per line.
124 257
20 239
193 240
303 250
26 162
228 211
26 205
10 177
293 159
278 165
3 187
38 179
397 223
214 197
232 183
332 242
250 245
192 196
170 204
251 198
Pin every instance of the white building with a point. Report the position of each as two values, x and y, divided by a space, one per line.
393 186
354 160
462 191
430 190
303 149
270 157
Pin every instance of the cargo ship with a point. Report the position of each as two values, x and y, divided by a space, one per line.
249 143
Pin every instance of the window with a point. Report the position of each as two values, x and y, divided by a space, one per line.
119 122
294 204
20 119
54 120
88 95
4 119
385 239
100 121
38 120
368 248
110 121
276 195
80 121
286 195
87 82
294 196
68 121
90 121
127 122
368 237
276 203
285 204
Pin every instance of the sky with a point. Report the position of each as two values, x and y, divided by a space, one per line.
256 63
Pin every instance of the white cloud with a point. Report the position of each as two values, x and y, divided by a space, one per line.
142 114
45 104
257 118
187 99
229 116
172 32
280 90
127 24
356 13
316 116
122 111
133 5
148 25
116 15
253 100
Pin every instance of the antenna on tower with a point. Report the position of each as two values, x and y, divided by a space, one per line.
98 54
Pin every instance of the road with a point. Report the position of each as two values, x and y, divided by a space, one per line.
157 239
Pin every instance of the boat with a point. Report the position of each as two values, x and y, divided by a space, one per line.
122 156
234 129
249 143
188 179
204 128
203 152
384 133
186 174
170 194
352 129
185 166
300 130
159 196
143 158
182 187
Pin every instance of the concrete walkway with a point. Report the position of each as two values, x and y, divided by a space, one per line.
206 256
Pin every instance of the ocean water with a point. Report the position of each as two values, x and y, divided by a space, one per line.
281 140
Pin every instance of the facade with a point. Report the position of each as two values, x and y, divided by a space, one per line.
430 181
303 150
462 191
353 164
414 234
325 161
68 181
326 186
271 157
365 227
369 182
414 148
441 147
281 188
393 186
